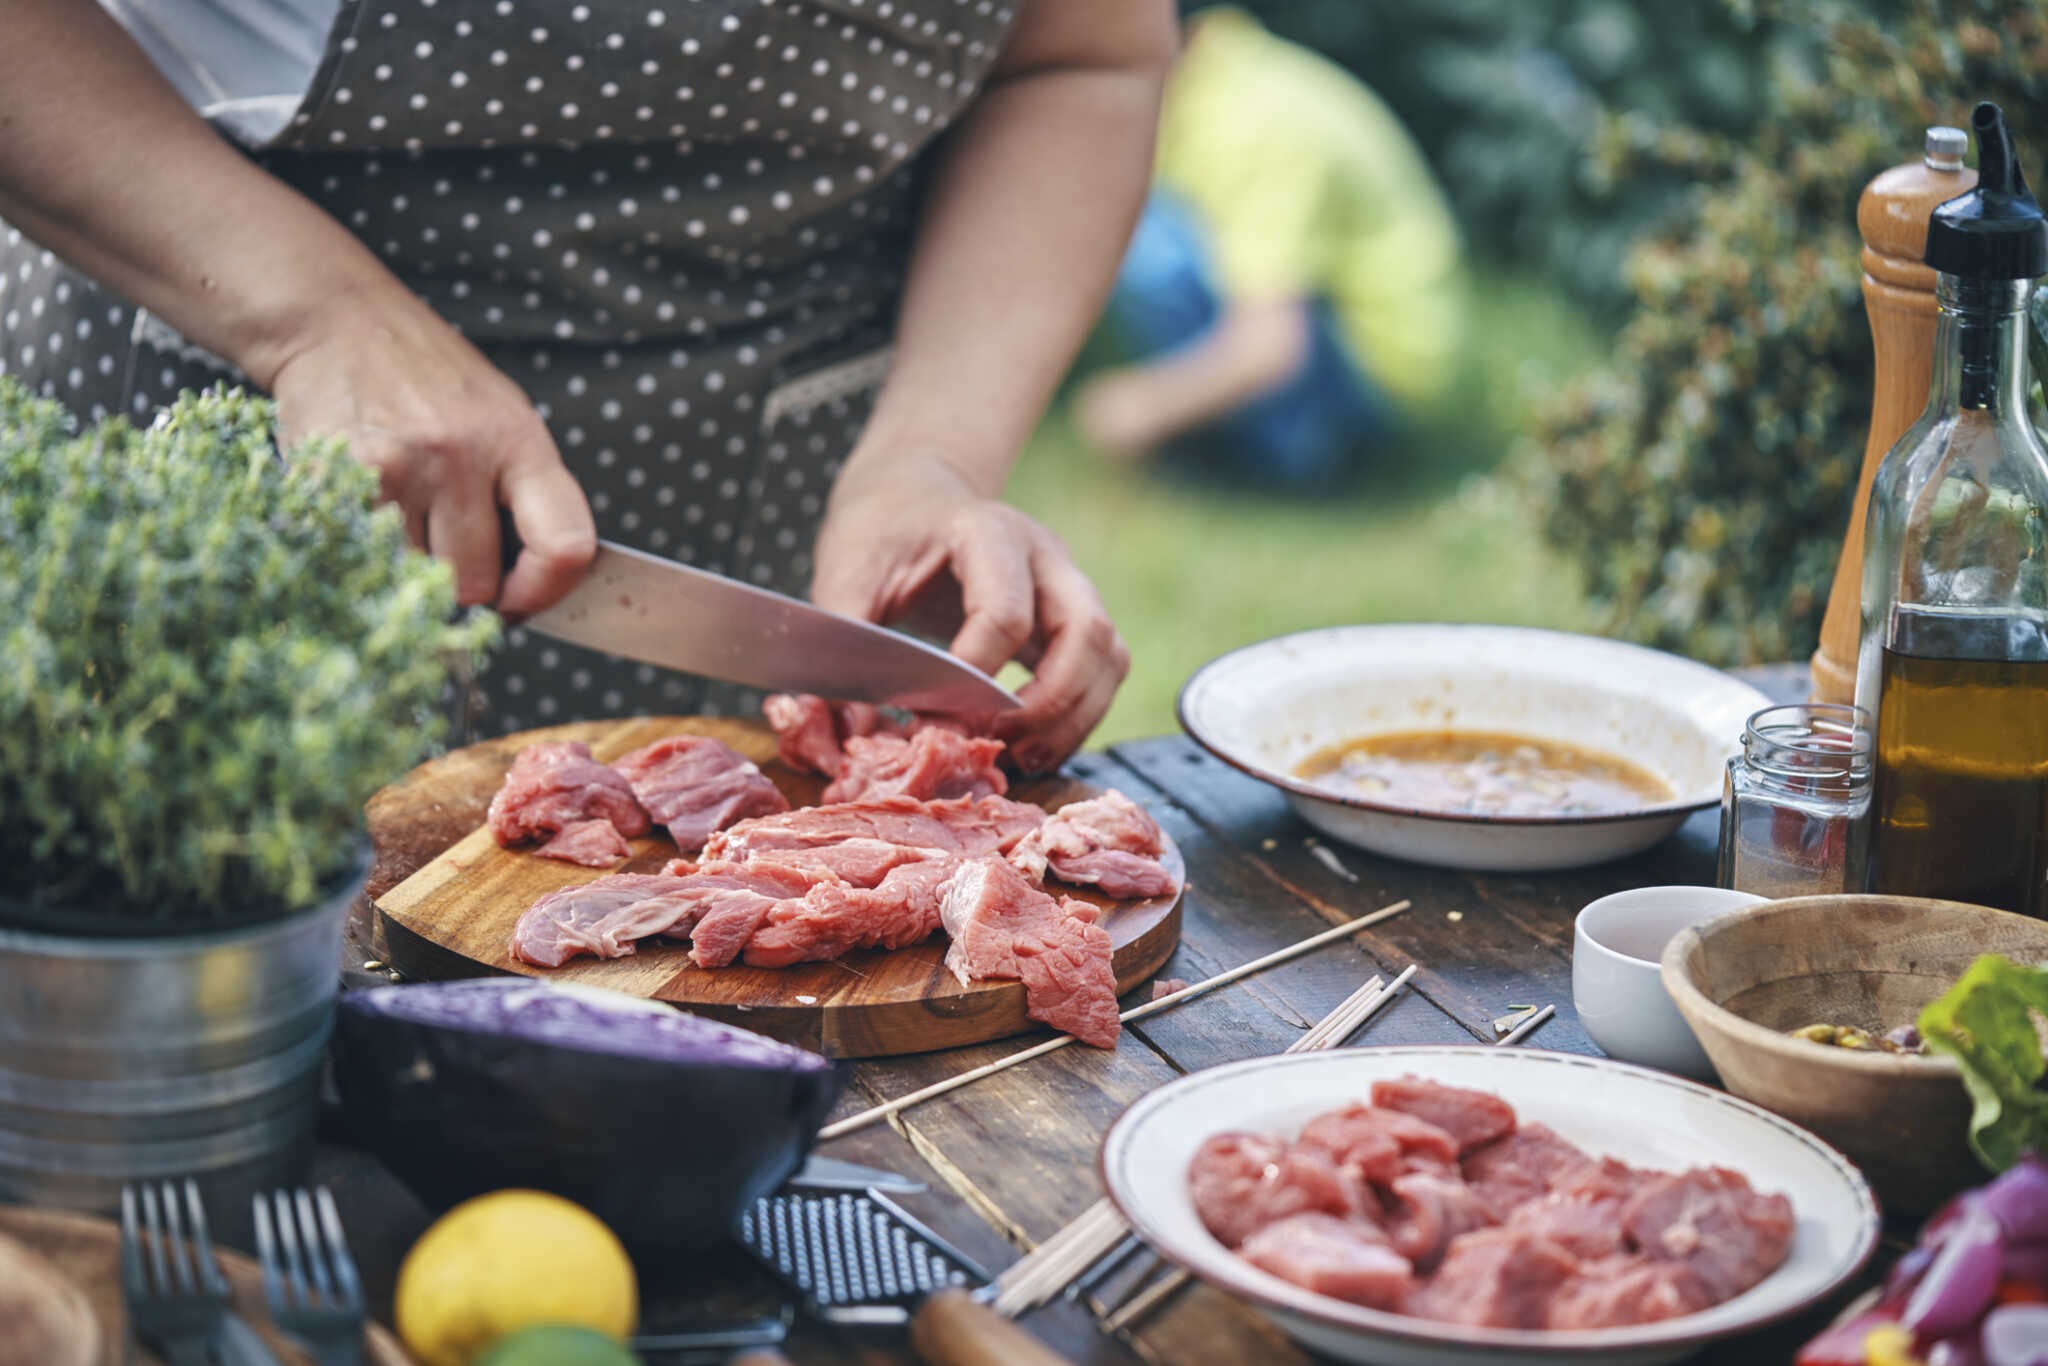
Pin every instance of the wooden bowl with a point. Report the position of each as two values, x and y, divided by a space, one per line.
1744 979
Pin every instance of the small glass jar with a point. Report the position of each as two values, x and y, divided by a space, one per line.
1795 810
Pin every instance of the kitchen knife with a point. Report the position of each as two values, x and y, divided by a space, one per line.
660 612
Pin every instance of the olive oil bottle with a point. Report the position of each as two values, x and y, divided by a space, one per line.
1953 660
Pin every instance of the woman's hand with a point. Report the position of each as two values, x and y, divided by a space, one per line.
451 440
912 542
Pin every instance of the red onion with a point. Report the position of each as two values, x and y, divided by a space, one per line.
1962 1351
2016 1335
2018 1199
1963 1280
2027 1263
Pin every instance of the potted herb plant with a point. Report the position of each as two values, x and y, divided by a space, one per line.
209 657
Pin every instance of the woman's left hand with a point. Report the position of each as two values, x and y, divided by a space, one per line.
912 543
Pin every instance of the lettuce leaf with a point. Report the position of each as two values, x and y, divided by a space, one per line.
1985 1022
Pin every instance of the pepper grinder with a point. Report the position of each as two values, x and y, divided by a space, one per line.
1898 294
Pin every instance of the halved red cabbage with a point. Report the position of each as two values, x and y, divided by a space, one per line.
663 1124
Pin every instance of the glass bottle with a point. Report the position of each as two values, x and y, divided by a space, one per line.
1953 660
1796 805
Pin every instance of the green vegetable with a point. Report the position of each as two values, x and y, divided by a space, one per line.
1986 1023
209 658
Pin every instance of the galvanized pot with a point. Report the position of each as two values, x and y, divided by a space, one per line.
144 1058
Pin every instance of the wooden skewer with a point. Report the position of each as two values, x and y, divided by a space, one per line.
854 1123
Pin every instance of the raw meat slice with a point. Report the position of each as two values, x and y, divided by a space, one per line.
1109 841
726 902
857 863
1382 1144
835 918
1474 1118
596 917
1614 1292
1495 1278
1002 926
1711 1220
593 843
992 825
557 784
932 763
1242 1182
696 785
806 737
1429 1213
1332 1256
1520 1167
1582 1212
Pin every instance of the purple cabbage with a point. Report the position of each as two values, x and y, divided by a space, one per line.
1962 1281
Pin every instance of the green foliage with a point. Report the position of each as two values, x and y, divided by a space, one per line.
209 658
1703 476
1986 1023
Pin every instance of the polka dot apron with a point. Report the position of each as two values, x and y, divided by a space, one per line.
682 231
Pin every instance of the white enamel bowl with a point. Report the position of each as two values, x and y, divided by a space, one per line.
1609 1109
1267 707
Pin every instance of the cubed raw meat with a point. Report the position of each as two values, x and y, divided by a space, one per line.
1495 1278
1332 1256
1712 1220
1242 1182
1473 1118
1383 1144
1520 1167
1615 1292
1427 1212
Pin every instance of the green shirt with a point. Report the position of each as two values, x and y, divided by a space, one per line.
1310 188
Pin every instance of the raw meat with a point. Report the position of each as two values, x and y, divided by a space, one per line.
857 862
696 785
1473 1118
1495 1278
558 784
1332 1256
992 825
1166 986
1429 1212
1242 1182
805 737
1108 841
1711 1220
836 918
1520 1167
592 843
1382 1144
932 763
1614 1292
1582 1212
1003 926
596 918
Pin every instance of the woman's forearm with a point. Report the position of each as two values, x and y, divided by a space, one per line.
102 162
1024 226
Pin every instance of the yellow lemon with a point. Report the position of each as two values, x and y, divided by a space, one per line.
507 1261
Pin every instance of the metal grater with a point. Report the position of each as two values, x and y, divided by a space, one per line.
858 1258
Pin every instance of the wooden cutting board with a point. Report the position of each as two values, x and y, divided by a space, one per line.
87 1251
454 916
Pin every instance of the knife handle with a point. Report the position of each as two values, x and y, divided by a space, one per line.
953 1329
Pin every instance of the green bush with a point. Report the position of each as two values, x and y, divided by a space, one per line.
1703 475
209 658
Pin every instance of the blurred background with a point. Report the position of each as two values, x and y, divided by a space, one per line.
1648 418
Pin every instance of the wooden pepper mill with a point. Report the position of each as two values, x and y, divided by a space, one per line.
1898 293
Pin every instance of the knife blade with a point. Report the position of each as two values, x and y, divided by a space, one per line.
679 617
830 1173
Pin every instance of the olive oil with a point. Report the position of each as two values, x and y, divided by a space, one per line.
1961 797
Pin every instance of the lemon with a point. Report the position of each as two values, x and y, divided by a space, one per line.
510 1260
554 1345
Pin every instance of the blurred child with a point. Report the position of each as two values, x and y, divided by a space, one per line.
1291 293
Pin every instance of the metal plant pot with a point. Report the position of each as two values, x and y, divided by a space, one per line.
145 1058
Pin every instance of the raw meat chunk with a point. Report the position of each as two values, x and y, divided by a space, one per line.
1495 1278
1382 1144
806 737
992 825
1582 1212
729 901
604 918
558 784
857 863
593 843
1711 1220
1242 1182
1109 841
1614 1292
1166 986
1332 1256
932 763
1520 1167
1002 926
1429 1212
1474 1118
836 918
696 785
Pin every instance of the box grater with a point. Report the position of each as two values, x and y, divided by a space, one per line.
856 1257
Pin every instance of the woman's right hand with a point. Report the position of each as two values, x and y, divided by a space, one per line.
450 437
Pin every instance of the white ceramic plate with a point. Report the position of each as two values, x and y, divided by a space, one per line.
1609 1109
1267 707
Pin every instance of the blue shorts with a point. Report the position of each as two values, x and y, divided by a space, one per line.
1312 430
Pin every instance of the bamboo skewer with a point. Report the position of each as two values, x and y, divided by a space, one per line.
854 1123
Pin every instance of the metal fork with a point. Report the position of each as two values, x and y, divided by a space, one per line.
176 1307
309 1279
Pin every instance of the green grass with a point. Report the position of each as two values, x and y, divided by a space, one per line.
1190 570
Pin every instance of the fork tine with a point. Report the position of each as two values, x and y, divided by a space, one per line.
134 1280
266 1253
202 1242
174 1238
337 1250
287 1234
310 1240
153 1239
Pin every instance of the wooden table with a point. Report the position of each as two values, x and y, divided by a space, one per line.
1012 1158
